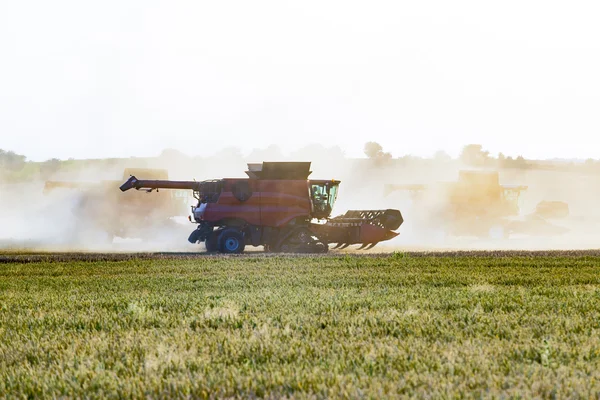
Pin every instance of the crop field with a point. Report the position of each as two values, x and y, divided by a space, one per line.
337 326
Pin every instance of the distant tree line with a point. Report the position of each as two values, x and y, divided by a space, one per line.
16 167
474 155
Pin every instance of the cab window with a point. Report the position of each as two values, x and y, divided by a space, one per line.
323 197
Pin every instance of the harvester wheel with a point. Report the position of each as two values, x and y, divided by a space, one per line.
211 243
231 241
302 240
321 247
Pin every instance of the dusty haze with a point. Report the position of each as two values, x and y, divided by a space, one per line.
31 219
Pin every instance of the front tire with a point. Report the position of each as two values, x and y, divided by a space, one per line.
231 241
211 243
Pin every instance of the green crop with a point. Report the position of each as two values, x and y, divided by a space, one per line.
336 326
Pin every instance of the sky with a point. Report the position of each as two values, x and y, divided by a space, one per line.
98 79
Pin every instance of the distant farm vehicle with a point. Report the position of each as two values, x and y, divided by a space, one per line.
277 207
102 213
478 205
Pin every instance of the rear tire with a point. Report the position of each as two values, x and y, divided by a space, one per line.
231 241
322 247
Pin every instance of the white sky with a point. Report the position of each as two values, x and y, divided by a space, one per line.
119 78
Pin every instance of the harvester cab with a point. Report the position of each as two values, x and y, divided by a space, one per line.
481 192
512 195
323 195
277 207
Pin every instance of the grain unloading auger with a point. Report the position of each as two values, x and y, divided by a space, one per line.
277 207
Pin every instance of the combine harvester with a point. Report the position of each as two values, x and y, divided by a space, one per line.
478 205
277 207
102 214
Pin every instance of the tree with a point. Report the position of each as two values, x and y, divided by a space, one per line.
373 149
509 162
11 161
501 160
474 155
375 152
520 162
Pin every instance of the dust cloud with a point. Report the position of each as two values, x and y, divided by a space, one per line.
68 219
87 214
427 228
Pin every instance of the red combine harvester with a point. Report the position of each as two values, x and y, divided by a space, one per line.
277 207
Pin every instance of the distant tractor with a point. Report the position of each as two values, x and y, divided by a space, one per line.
277 207
102 213
478 205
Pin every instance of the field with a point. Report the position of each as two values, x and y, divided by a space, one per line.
402 324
